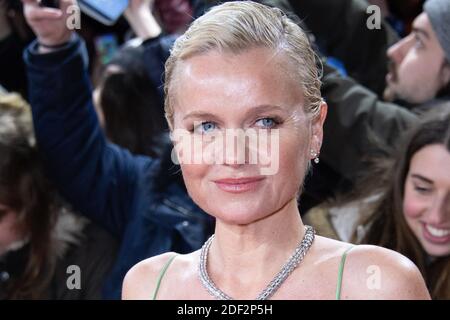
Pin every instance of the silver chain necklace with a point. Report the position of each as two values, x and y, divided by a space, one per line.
277 281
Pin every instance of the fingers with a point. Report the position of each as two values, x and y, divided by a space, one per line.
44 14
34 12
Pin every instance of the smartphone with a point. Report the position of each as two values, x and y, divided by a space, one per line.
106 46
104 11
49 3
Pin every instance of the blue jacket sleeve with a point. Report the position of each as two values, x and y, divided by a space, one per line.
98 178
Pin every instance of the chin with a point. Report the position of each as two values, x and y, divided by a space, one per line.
436 252
237 220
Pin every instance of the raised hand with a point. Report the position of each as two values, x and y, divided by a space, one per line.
139 5
49 24
139 16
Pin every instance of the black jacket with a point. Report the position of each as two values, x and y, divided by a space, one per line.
340 29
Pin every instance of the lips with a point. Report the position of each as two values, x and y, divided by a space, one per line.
239 185
436 235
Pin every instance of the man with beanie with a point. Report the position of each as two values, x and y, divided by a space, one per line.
420 69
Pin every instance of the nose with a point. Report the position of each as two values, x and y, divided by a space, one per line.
236 148
439 212
398 51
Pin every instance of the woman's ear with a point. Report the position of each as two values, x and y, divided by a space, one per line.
317 128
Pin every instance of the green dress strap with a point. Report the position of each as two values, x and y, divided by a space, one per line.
341 273
161 275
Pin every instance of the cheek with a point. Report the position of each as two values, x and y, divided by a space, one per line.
412 206
8 231
420 72
193 175
192 172
293 159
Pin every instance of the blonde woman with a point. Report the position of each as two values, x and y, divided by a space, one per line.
244 66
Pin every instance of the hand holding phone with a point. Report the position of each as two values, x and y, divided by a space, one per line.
49 24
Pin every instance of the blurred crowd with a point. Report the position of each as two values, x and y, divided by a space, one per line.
86 173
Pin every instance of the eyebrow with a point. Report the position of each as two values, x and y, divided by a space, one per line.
199 114
254 110
421 31
418 176
264 108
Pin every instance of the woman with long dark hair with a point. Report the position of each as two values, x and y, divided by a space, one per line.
41 240
404 203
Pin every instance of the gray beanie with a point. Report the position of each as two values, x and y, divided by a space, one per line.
438 12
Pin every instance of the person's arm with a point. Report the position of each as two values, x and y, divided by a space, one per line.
140 17
376 273
156 44
98 178
355 117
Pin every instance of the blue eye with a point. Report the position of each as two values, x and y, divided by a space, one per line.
266 123
205 127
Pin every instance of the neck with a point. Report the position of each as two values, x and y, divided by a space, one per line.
244 259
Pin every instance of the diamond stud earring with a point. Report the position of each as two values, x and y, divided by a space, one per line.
315 156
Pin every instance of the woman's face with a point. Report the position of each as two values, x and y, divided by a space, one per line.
216 97
426 203
9 233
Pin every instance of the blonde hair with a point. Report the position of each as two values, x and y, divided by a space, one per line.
15 117
235 27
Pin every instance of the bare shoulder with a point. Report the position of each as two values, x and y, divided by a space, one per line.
140 281
373 272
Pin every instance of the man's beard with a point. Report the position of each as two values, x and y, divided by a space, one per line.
389 93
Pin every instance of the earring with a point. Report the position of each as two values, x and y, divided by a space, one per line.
315 156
